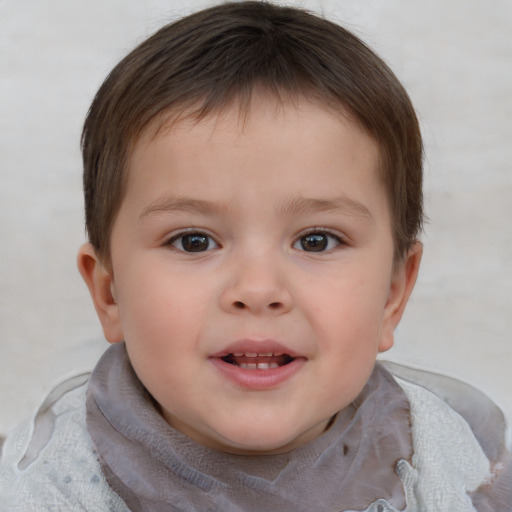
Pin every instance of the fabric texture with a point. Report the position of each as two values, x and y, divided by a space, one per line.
51 463
151 465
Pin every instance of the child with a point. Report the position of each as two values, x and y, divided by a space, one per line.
252 179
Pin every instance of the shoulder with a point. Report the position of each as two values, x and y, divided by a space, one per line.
484 417
459 444
48 463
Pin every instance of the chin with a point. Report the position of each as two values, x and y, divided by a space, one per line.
246 448
260 442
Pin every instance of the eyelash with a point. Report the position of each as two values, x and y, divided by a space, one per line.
190 233
324 245
338 239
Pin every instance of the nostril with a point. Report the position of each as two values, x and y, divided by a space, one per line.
272 306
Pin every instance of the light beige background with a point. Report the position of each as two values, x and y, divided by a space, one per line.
455 58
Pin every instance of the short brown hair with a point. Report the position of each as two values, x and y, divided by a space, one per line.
203 62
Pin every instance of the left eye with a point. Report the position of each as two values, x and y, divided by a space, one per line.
193 242
317 241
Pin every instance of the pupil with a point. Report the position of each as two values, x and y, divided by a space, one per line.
314 243
195 243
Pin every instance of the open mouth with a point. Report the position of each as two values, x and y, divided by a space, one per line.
253 361
258 365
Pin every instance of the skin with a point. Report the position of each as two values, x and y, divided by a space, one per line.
253 192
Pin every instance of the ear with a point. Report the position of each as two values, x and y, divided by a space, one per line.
402 283
99 279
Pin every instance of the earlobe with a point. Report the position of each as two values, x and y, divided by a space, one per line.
401 286
99 281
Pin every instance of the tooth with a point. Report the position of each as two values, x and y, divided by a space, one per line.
277 354
265 354
273 365
263 366
250 354
249 366
238 354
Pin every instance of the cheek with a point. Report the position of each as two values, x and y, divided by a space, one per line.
160 308
160 315
347 310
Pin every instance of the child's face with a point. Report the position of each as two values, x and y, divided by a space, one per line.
253 277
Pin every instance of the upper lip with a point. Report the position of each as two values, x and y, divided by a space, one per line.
262 347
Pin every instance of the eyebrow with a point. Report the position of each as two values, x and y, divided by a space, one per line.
293 206
182 204
343 204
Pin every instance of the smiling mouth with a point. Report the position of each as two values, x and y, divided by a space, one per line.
254 361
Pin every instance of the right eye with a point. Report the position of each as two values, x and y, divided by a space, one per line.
193 242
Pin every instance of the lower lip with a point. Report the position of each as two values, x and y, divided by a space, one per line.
258 380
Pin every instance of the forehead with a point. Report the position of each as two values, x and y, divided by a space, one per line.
236 116
274 143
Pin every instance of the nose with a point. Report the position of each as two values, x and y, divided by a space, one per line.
256 285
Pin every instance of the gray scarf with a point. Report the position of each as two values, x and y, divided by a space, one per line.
153 467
